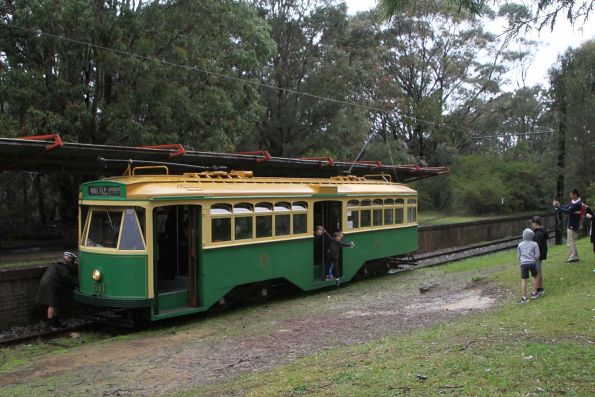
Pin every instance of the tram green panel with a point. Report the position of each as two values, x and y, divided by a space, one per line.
225 268
232 266
376 244
123 276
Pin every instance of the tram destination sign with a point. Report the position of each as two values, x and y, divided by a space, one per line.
105 191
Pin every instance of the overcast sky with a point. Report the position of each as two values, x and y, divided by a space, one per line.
551 44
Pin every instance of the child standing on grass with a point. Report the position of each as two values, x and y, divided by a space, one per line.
540 238
528 254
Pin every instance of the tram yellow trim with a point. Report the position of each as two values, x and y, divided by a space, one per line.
111 251
264 240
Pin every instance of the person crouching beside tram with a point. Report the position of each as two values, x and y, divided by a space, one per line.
55 283
334 253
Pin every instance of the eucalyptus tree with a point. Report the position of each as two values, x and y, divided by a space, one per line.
573 100
547 12
137 72
307 81
126 72
430 65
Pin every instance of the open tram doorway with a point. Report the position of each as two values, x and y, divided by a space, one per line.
327 214
176 230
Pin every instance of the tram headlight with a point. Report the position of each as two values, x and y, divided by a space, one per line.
96 275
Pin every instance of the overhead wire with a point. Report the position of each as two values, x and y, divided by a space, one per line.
238 79
228 77
513 134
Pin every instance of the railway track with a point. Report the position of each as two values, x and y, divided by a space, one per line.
105 318
40 336
395 265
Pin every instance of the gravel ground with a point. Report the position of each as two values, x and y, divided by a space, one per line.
256 338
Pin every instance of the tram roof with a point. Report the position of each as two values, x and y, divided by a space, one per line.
243 184
49 154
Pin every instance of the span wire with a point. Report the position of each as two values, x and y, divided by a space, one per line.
228 77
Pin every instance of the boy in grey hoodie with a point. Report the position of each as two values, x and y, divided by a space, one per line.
528 254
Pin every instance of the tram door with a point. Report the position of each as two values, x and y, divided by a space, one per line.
176 255
327 214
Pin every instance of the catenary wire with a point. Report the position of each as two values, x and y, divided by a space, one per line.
238 79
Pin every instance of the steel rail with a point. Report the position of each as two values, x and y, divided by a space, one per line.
43 335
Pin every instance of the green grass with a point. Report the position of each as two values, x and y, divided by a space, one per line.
23 264
441 218
544 347
427 218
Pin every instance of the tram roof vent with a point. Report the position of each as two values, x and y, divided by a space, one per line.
347 178
241 174
219 175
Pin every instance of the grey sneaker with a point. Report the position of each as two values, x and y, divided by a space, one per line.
535 295
523 300
541 291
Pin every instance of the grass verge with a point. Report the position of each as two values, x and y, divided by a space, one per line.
542 347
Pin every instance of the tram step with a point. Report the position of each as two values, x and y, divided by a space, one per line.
176 311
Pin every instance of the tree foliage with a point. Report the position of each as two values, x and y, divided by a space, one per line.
312 57
296 78
546 12
573 100
483 184
104 72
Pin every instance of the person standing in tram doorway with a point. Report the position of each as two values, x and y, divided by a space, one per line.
322 242
55 283
334 253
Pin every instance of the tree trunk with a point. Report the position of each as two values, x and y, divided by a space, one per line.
561 164
40 202
25 200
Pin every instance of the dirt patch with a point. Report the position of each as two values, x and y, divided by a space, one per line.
255 339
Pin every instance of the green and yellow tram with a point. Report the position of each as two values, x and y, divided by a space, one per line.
170 245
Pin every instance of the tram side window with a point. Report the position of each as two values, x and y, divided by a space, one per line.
300 217
399 203
140 214
366 214
104 228
243 221
282 226
131 234
411 210
220 223
264 220
353 214
377 213
388 211
83 214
